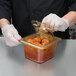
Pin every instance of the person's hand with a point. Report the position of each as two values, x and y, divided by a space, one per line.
11 35
55 22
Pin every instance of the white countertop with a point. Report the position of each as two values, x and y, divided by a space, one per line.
14 63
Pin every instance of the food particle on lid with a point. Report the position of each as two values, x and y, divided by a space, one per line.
46 36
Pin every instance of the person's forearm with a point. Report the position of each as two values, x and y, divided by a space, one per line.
71 18
3 22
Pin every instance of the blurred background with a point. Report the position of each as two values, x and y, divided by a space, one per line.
72 32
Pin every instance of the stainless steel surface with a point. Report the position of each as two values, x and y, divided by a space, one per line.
14 63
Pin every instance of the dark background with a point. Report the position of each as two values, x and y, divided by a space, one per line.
0 32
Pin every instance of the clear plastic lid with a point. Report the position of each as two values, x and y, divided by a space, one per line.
24 40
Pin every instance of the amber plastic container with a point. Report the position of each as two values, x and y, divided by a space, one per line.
37 53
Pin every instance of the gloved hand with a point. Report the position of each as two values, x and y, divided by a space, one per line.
55 22
11 35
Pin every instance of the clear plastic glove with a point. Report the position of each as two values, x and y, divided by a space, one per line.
55 22
11 35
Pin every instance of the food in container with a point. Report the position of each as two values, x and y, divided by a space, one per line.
40 47
37 52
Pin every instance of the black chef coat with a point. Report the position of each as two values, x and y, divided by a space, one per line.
23 11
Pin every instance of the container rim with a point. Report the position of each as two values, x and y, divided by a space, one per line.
55 40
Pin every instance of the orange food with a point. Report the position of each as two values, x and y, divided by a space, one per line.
37 43
45 41
30 40
37 39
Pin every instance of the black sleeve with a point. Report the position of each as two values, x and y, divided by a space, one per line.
5 9
72 5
